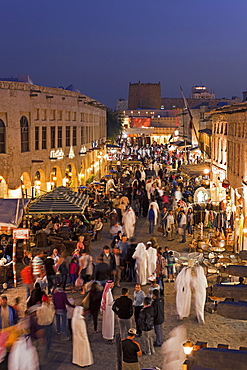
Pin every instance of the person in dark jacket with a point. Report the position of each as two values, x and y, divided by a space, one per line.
158 305
102 271
36 295
146 324
109 259
124 310
95 296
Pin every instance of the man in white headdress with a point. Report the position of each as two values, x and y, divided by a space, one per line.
183 297
199 283
156 211
80 340
152 258
129 221
107 312
141 257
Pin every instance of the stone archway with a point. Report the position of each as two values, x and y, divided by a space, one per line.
70 176
55 178
26 185
39 182
3 188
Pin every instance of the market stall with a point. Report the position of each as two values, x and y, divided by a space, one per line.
11 211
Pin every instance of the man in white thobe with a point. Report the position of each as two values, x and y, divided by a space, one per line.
129 221
199 283
80 340
183 297
107 313
152 257
141 257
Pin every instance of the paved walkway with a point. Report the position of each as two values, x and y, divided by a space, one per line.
215 330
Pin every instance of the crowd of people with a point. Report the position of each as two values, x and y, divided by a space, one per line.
151 190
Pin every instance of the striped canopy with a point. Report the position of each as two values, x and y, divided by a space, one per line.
60 200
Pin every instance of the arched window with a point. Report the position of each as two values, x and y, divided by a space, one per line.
2 137
24 134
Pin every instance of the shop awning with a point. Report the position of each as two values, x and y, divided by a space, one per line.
198 169
180 143
59 201
11 212
112 146
207 131
194 148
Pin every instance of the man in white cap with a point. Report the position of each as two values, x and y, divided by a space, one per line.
131 351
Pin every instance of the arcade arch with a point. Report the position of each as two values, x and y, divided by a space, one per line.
26 185
55 178
70 176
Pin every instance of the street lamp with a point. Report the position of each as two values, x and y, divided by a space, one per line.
188 347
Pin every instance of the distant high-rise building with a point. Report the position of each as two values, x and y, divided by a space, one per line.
144 95
21 78
201 92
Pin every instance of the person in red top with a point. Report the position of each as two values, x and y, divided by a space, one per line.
27 278
73 271
80 245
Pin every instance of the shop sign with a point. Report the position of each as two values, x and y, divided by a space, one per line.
83 150
21 234
71 153
56 154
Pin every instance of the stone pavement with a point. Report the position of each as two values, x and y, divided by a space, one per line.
215 330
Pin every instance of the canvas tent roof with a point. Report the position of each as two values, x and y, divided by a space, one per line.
11 212
60 200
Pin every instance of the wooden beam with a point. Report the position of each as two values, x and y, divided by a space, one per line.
219 359
233 310
229 291
236 270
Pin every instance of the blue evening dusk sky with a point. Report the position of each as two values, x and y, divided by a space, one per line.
102 45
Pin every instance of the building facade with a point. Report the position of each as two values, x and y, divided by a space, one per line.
178 103
229 161
146 126
48 137
201 92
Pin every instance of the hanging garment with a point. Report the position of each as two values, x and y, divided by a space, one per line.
206 220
